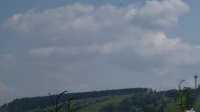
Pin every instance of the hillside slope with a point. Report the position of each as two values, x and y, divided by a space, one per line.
134 102
119 102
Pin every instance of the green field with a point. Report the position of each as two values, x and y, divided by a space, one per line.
97 106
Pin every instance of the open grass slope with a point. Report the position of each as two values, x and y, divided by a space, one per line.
115 100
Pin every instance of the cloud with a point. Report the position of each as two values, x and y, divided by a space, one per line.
160 14
82 30
80 47
156 53
175 50
86 19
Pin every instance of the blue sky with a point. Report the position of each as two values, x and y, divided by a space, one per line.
52 46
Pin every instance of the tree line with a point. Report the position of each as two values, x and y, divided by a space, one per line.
25 104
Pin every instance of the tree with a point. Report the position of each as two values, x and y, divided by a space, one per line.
58 107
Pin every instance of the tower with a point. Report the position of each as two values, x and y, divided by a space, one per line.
196 81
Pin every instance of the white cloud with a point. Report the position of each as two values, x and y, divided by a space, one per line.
165 13
175 51
107 48
74 40
85 19
156 43
108 30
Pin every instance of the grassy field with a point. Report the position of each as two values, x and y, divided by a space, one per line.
115 100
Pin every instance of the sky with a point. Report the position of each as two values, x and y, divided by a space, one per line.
49 46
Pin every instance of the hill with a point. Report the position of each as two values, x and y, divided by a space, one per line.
26 104
121 100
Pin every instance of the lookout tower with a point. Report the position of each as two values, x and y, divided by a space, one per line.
196 81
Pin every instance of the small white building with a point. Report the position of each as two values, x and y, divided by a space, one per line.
192 110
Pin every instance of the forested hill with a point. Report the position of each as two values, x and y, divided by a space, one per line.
26 104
